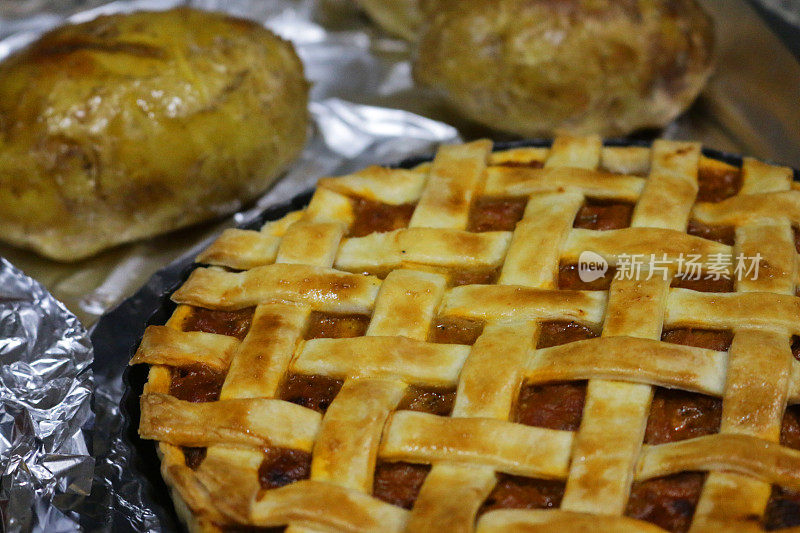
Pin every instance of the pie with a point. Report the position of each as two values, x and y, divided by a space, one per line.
418 350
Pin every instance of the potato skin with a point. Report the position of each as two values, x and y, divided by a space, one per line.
128 126
400 17
540 67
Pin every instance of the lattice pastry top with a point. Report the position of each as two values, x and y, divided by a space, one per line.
418 351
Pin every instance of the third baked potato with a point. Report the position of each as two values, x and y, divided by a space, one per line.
535 67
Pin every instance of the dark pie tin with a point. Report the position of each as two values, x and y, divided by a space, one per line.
117 335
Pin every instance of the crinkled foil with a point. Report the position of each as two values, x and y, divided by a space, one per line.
45 392
365 110
345 137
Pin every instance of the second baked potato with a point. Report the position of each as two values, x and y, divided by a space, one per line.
539 67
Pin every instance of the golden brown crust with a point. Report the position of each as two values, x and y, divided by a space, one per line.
110 130
411 291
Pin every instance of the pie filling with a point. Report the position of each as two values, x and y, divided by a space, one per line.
313 392
333 326
603 215
701 284
516 492
486 276
679 415
553 405
796 232
230 323
556 332
282 466
196 383
496 214
668 502
429 400
455 330
193 456
522 164
710 339
722 234
790 428
399 483
718 183
783 509
569 279
376 217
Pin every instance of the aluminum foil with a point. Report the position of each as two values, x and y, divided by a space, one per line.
788 9
45 391
365 110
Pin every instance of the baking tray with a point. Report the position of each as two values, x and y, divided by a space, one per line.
118 333
751 105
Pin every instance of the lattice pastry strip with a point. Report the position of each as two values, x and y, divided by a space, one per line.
456 509
750 405
259 365
606 446
347 448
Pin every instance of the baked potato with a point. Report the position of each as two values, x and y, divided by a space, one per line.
400 17
540 67
132 125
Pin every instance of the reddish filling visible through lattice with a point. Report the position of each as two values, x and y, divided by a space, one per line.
569 279
710 339
486 276
603 215
334 326
314 392
716 184
516 492
193 456
375 217
668 502
553 406
496 214
282 466
796 232
522 164
196 383
428 400
721 284
455 330
679 415
399 483
230 323
790 428
722 234
783 509
556 332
